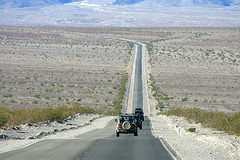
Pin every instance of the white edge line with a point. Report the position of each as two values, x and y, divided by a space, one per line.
23 146
38 140
153 133
107 122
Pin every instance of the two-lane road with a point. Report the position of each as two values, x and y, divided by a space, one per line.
142 147
138 85
100 144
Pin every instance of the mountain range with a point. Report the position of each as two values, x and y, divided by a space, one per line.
181 2
6 4
132 13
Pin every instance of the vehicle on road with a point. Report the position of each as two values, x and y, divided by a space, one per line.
126 123
139 112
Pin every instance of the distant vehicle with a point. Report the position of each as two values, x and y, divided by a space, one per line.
139 112
126 123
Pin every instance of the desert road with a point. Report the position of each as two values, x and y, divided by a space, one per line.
101 144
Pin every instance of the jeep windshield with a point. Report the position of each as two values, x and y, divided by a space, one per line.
123 119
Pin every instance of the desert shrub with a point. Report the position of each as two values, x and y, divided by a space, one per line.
77 108
19 116
110 112
37 115
160 105
87 110
4 116
191 129
8 96
212 119
47 97
184 99
13 101
71 85
35 102
37 96
56 114
130 44
205 100
233 123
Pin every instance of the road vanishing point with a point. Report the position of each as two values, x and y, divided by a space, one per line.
102 144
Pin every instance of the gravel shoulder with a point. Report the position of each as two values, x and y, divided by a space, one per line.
204 144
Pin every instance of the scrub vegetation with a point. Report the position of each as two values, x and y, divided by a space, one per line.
9 117
211 119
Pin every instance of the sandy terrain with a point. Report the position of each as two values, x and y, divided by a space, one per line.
41 67
197 68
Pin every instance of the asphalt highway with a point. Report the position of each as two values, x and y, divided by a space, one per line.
129 147
138 86
101 144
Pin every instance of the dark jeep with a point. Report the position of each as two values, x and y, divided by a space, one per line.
126 123
139 112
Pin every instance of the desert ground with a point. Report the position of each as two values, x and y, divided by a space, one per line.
196 67
51 67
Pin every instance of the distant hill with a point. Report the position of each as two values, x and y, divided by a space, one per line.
181 2
125 2
6 4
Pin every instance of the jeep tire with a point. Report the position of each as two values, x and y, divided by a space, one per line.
117 134
136 133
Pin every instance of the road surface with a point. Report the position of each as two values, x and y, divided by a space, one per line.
138 86
100 144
